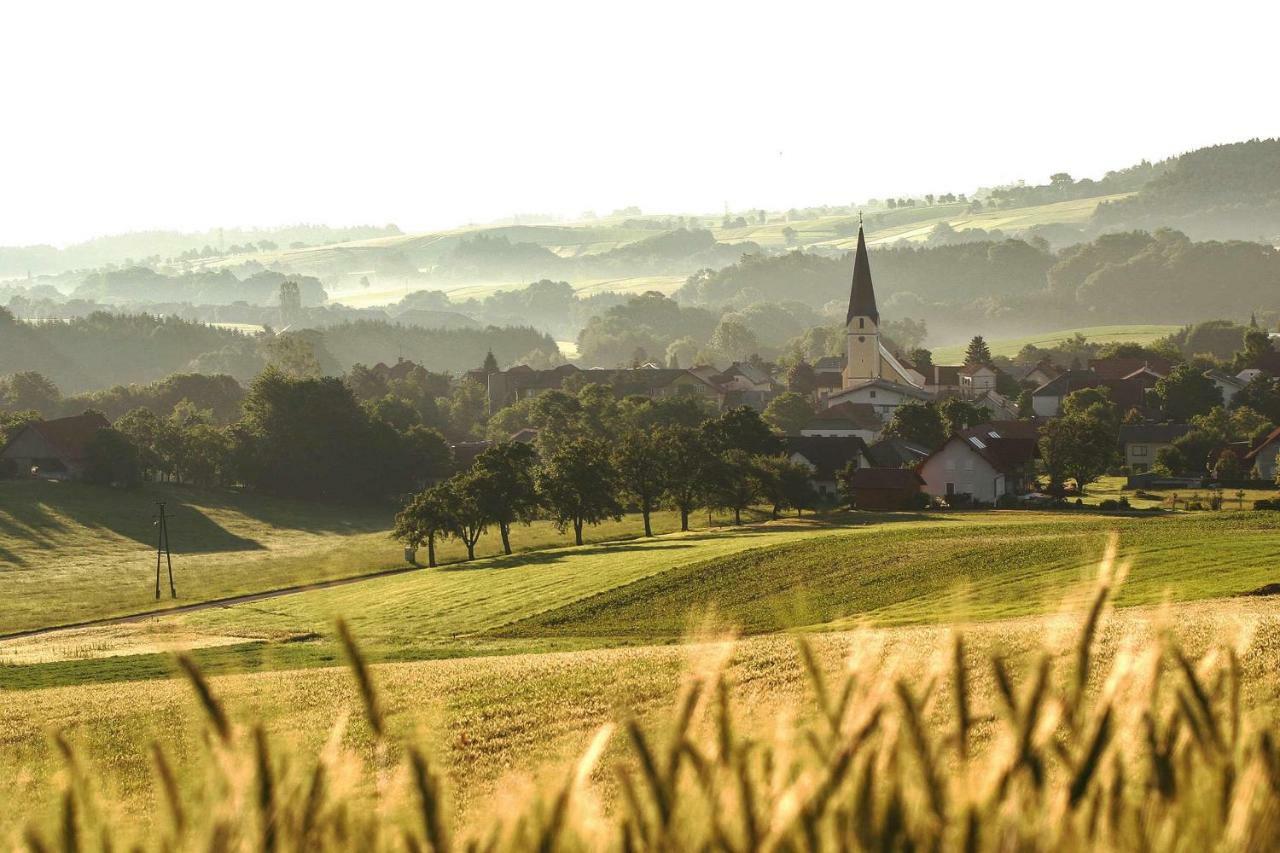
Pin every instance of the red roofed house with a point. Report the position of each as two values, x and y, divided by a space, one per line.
1263 457
986 462
53 450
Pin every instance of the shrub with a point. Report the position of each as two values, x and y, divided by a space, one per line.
1007 502
1109 504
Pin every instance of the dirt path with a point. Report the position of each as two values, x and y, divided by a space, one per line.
202 605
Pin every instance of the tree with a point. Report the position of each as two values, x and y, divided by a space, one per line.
490 364
579 486
290 302
425 517
111 460
427 455
918 423
12 424
789 412
1095 402
1186 392
1026 407
206 455
502 480
801 378
688 459
467 517
1257 346
977 352
734 481
1228 466
784 484
922 360
28 390
958 415
642 464
741 428
1079 447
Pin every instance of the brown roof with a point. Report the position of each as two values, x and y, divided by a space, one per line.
886 478
1273 436
70 436
1119 368
828 454
861 415
1005 445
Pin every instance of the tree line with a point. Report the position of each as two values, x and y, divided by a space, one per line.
597 457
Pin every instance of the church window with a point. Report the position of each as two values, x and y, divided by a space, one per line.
861 339
862 324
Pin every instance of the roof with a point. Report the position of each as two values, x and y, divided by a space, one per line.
1004 445
862 296
905 390
861 415
972 369
1225 378
1118 368
886 478
1072 380
1271 438
69 436
827 454
946 374
895 452
1021 370
1152 433
829 363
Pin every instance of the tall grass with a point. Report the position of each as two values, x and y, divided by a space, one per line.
1153 753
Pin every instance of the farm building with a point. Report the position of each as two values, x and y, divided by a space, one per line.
884 488
53 450
985 462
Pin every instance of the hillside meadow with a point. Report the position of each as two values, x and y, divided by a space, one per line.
1009 347
71 552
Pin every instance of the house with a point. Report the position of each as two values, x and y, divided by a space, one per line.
1046 401
1033 374
895 452
943 378
1141 442
858 419
881 394
829 371
745 384
1249 374
53 450
826 457
528 435
1263 457
976 379
985 462
884 488
997 406
1226 384
1119 368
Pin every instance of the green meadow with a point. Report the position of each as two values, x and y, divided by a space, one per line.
1138 334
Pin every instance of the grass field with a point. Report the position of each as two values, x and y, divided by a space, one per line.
67 555
1139 334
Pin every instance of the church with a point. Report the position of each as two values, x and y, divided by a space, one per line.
871 372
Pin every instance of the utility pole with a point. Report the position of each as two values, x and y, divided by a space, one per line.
162 546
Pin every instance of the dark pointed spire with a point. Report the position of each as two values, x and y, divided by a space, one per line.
862 296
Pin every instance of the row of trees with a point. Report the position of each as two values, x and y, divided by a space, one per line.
576 478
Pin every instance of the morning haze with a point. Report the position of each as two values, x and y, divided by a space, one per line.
665 427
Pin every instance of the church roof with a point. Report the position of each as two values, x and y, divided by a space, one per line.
862 296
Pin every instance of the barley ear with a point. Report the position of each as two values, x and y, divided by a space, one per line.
212 707
360 669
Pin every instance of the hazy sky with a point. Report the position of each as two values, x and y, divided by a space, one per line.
124 116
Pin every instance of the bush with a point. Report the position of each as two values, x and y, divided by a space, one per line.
1007 502
920 500
1109 504
1123 503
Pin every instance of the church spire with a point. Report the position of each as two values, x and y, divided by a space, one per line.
862 296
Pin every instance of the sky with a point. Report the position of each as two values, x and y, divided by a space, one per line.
129 116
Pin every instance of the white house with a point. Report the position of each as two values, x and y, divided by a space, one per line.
1264 456
984 462
976 379
1227 384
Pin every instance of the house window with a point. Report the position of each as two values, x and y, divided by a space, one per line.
862 324
873 395
1138 450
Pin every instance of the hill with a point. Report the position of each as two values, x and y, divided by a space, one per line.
1009 347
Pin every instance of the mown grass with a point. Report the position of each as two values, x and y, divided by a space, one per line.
785 575
71 552
935 573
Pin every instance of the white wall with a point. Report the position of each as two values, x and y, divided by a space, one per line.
966 470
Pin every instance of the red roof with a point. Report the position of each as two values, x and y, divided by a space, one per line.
70 436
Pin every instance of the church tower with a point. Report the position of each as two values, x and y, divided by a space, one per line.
862 324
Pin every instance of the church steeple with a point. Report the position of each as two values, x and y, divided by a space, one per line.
862 296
